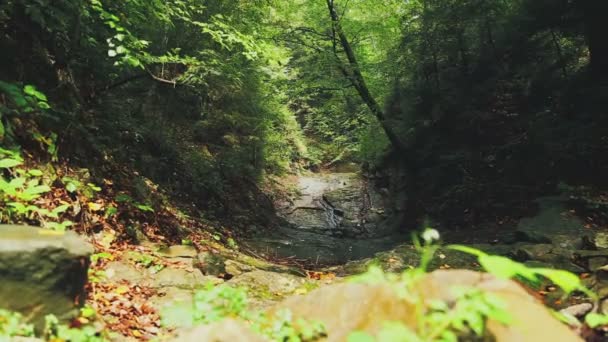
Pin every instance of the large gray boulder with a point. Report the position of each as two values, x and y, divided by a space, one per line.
42 271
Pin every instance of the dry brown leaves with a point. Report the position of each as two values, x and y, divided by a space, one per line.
126 310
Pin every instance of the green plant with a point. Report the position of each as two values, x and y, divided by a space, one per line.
11 324
214 303
148 261
128 200
20 191
73 185
503 267
440 321
54 331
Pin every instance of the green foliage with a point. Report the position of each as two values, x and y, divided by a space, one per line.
129 201
148 261
215 303
55 331
11 325
20 191
506 268
468 314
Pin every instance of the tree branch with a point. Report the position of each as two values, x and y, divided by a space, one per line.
353 73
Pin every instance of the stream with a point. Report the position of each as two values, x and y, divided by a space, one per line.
336 218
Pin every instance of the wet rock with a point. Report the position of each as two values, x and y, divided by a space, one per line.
348 307
228 330
42 272
578 310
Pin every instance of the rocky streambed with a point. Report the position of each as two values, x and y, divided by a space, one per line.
335 218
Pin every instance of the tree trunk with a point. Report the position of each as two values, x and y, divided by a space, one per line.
596 27
353 73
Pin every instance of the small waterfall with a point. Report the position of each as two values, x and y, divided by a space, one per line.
333 215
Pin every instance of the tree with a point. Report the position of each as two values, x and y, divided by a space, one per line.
352 71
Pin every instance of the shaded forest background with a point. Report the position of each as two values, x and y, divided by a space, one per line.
464 110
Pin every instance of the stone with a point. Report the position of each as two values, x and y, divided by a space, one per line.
179 251
531 236
266 287
181 278
552 224
596 263
557 257
578 310
236 268
601 240
228 330
43 272
170 296
117 271
210 263
348 307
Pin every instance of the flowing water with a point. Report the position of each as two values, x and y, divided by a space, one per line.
337 217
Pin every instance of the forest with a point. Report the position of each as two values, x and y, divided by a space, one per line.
303 170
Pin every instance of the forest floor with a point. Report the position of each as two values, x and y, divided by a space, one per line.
137 281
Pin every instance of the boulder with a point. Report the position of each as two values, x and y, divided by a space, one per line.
43 272
348 307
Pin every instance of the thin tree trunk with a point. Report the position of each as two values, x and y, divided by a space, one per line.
356 77
596 27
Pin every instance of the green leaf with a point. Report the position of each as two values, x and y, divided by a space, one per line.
505 268
110 211
120 198
144 207
32 91
36 190
17 182
595 320
8 163
35 172
468 250
567 281
112 53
